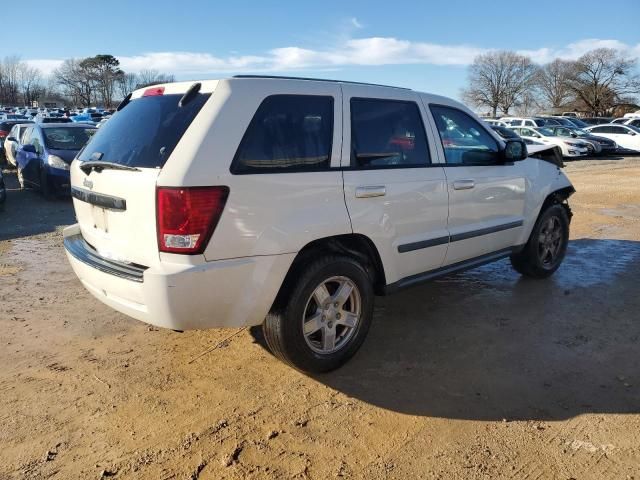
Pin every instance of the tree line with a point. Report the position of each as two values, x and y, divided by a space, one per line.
595 83
86 82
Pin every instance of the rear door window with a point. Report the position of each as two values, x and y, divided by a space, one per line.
387 133
288 133
145 132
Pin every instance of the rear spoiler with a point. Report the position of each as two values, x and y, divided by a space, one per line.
546 153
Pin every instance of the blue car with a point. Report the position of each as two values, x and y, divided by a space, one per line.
46 151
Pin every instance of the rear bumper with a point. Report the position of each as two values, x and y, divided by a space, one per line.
224 293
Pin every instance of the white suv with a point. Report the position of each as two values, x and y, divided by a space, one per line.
292 202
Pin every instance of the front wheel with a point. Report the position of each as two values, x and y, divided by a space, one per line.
547 245
325 317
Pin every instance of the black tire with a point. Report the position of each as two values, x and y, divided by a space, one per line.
283 327
45 187
542 255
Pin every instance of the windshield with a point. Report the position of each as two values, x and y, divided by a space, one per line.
547 132
145 132
69 138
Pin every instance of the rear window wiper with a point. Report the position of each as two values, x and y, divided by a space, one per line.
99 165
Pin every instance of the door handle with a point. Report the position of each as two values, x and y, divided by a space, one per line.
463 184
369 191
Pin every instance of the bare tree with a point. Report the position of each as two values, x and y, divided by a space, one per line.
9 88
30 80
76 82
127 83
519 78
153 77
552 81
499 80
104 71
601 78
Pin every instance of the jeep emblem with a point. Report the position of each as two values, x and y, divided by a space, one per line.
87 183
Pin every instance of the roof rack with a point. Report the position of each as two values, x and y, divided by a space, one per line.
277 77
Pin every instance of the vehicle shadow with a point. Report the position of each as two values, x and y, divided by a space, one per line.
27 213
488 344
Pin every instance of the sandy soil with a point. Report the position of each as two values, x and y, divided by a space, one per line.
478 375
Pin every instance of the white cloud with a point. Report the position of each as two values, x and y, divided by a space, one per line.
354 21
349 52
575 50
45 65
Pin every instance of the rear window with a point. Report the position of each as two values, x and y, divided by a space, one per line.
288 133
67 138
145 132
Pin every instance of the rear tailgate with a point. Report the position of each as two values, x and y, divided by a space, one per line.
116 212
114 177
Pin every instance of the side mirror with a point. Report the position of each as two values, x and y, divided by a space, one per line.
574 135
514 150
632 134
29 148
11 139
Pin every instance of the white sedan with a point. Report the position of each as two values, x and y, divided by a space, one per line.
572 147
626 136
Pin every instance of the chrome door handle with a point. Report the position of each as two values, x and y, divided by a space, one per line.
463 184
369 191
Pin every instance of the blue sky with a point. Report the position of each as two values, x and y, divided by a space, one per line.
421 45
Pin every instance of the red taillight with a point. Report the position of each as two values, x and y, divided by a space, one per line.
153 92
3 133
188 216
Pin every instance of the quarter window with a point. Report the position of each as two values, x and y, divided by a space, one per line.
387 133
464 140
287 133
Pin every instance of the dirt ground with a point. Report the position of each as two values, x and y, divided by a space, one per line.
478 375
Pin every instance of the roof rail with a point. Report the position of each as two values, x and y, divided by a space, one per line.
277 77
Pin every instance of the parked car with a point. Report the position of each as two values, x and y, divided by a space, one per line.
45 153
595 144
577 122
5 128
570 148
524 122
505 133
494 122
559 121
597 120
12 116
13 140
84 118
626 136
292 202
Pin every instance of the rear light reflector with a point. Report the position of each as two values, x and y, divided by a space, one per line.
153 92
188 216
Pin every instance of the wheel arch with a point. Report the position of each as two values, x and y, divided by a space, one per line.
357 246
559 197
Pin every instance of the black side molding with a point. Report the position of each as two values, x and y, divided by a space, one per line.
81 250
486 231
433 242
409 247
448 269
99 199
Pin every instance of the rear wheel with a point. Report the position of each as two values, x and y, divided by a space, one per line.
547 245
324 318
